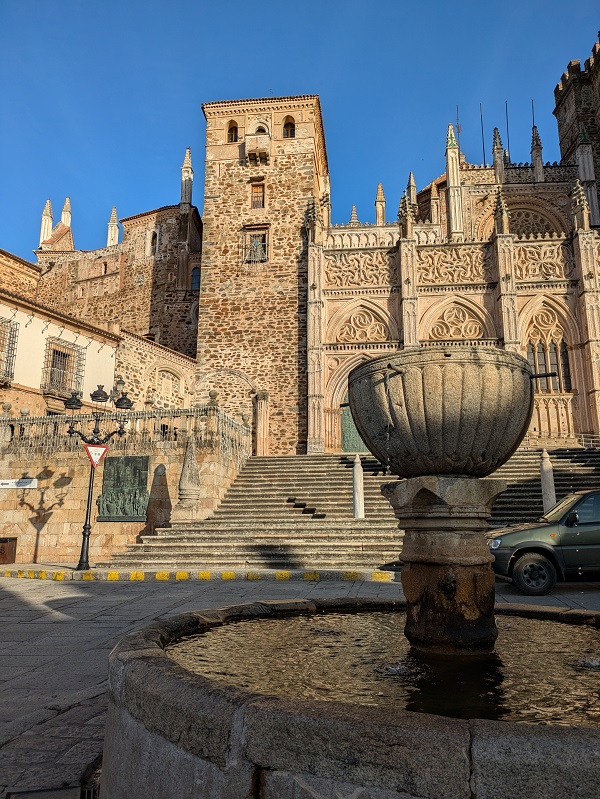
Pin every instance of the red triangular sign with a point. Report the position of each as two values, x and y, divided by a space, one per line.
96 452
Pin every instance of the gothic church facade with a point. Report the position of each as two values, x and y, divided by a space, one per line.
277 305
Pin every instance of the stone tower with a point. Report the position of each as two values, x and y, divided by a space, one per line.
266 199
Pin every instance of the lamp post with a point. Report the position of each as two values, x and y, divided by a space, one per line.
123 403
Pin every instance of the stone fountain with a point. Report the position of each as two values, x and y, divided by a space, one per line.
444 418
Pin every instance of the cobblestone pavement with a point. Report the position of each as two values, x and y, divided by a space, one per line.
54 642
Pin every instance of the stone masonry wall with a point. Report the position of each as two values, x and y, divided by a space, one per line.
18 276
142 290
47 521
252 316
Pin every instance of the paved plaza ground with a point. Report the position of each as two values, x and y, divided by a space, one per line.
55 638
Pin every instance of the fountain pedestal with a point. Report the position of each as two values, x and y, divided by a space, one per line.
447 579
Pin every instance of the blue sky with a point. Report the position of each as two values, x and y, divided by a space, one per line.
100 99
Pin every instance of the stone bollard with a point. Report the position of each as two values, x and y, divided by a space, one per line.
447 578
547 475
358 489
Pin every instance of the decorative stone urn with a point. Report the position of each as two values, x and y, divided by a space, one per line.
442 410
444 418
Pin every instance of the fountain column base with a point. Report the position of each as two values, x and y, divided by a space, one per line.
447 579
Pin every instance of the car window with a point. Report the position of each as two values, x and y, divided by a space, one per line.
589 510
556 512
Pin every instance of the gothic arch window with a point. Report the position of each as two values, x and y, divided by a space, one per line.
547 352
195 279
232 132
289 128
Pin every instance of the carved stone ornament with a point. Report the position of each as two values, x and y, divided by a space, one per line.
547 261
450 265
363 326
355 269
456 323
528 222
545 327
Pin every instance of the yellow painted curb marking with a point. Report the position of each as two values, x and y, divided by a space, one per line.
58 575
112 576
20 573
182 575
31 574
204 575
87 576
228 575
312 576
253 576
351 576
382 577
137 576
162 575
282 575
43 574
8 573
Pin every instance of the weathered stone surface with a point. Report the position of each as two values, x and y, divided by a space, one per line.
284 785
510 760
439 410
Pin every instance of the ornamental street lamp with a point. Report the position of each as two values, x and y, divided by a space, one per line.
123 403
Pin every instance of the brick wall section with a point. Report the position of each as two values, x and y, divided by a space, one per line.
252 316
147 293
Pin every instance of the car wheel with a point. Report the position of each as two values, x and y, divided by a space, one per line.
534 574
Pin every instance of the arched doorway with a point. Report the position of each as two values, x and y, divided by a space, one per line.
351 440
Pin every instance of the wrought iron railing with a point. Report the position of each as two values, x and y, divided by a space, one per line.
147 432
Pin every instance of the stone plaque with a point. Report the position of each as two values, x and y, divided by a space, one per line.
124 496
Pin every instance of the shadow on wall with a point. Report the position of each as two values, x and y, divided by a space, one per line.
158 513
43 510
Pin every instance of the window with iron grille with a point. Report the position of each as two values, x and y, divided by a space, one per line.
64 366
257 196
9 332
256 247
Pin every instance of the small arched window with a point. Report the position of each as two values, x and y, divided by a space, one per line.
261 129
232 132
195 282
153 243
289 128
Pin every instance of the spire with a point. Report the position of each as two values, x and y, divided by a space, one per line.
46 228
498 157
501 214
65 216
406 217
187 178
354 217
450 140
380 206
434 192
434 202
411 189
536 156
113 229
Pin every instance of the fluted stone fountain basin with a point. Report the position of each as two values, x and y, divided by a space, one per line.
172 734
442 410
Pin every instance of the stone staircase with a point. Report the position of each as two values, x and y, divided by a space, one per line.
282 513
574 470
296 512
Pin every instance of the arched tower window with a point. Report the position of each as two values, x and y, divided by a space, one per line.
153 243
289 128
232 132
195 279
547 352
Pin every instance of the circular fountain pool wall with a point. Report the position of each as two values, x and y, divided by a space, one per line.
171 733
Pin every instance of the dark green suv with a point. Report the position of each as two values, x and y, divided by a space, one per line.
564 544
